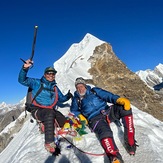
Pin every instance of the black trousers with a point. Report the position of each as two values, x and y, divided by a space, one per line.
48 117
99 124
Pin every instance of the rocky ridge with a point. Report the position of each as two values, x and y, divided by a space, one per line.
110 73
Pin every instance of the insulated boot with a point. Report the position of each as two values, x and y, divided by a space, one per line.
131 149
111 150
129 134
116 159
50 147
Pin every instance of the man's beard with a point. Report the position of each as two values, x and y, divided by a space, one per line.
82 94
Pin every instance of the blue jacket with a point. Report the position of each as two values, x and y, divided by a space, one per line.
92 103
46 96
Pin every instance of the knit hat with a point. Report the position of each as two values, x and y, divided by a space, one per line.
50 69
79 80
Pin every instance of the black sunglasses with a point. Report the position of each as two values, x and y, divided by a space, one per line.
50 73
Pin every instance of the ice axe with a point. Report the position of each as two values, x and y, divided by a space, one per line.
33 45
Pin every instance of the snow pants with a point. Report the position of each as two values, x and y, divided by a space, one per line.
101 127
48 117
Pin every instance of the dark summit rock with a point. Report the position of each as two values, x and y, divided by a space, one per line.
110 73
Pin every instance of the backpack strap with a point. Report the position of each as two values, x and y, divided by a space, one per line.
52 105
79 102
93 91
28 98
38 92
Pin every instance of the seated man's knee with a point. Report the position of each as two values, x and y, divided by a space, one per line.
119 111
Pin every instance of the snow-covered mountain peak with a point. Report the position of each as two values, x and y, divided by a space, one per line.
2 105
159 70
75 61
86 45
89 38
160 66
5 107
152 77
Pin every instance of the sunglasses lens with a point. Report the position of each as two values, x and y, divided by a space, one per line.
50 73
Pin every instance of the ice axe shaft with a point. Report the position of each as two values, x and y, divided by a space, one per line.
33 45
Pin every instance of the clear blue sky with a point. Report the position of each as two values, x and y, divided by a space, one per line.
134 28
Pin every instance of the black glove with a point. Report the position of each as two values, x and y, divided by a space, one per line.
69 95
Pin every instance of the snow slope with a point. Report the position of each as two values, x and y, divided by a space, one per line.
27 145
